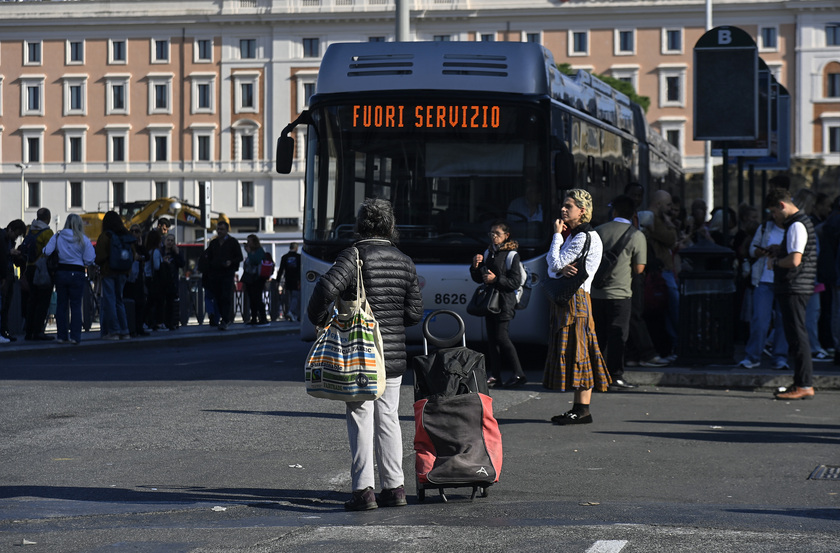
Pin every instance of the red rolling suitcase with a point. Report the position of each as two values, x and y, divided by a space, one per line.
457 439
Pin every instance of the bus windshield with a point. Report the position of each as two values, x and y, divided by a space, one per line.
449 168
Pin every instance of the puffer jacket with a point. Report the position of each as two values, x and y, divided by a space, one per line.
392 290
507 281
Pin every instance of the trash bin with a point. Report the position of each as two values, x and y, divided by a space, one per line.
707 296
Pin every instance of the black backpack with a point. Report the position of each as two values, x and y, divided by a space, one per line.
29 246
122 256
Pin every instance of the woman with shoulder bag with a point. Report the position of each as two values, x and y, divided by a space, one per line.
574 359
393 292
75 253
492 269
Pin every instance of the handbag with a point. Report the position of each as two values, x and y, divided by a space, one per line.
485 301
561 290
347 362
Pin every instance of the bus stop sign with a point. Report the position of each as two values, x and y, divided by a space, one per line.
726 85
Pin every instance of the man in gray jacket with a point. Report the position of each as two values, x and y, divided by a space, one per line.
625 255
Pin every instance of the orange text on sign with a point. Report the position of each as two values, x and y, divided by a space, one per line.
427 117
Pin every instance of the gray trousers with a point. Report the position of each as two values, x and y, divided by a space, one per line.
375 435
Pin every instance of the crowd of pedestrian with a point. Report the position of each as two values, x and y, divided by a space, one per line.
135 277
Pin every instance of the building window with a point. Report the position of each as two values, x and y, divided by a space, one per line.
248 48
247 193
832 34
442 38
118 97
203 148
118 148
533 37
161 148
32 94
833 140
74 145
488 37
579 43
117 52
673 89
160 94
203 93
33 189
832 81
311 47
246 92
625 42
118 192
376 39
75 52
161 189
32 53
204 50
246 147
160 51
673 131
75 195
161 97
672 86
768 39
627 73
74 95
32 149
308 92
672 41
117 94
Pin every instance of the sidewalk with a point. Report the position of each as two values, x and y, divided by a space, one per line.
193 332
826 374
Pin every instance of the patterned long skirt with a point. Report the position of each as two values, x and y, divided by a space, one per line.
574 359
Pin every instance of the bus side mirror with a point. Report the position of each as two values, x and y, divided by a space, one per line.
285 154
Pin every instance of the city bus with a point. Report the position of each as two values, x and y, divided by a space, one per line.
457 135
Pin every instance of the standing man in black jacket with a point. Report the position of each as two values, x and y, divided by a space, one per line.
794 264
224 256
290 266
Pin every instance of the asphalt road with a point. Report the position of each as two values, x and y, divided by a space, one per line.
214 446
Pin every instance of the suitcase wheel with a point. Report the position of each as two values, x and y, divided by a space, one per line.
484 492
421 495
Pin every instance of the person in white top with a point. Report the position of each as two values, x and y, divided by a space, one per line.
75 253
574 359
765 308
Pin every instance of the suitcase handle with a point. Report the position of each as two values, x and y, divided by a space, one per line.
446 342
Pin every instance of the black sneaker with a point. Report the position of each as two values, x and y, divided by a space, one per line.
570 417
395 497
362 500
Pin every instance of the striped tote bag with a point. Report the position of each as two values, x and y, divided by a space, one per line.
346 361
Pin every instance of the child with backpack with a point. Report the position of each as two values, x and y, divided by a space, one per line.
492 269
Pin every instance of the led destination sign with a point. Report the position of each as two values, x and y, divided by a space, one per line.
425 116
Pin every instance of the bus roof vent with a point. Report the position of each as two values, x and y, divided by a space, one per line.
380 65
475 64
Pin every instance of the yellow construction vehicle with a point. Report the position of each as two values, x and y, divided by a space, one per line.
145 213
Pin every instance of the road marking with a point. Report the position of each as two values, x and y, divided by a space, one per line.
607 546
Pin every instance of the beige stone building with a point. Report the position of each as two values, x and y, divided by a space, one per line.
129 100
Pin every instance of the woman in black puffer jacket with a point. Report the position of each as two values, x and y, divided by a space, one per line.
492 268
393 293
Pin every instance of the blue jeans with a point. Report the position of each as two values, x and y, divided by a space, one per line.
672 321
765 309
112 319
69 290
812 319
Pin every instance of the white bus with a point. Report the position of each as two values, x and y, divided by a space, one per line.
454 134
